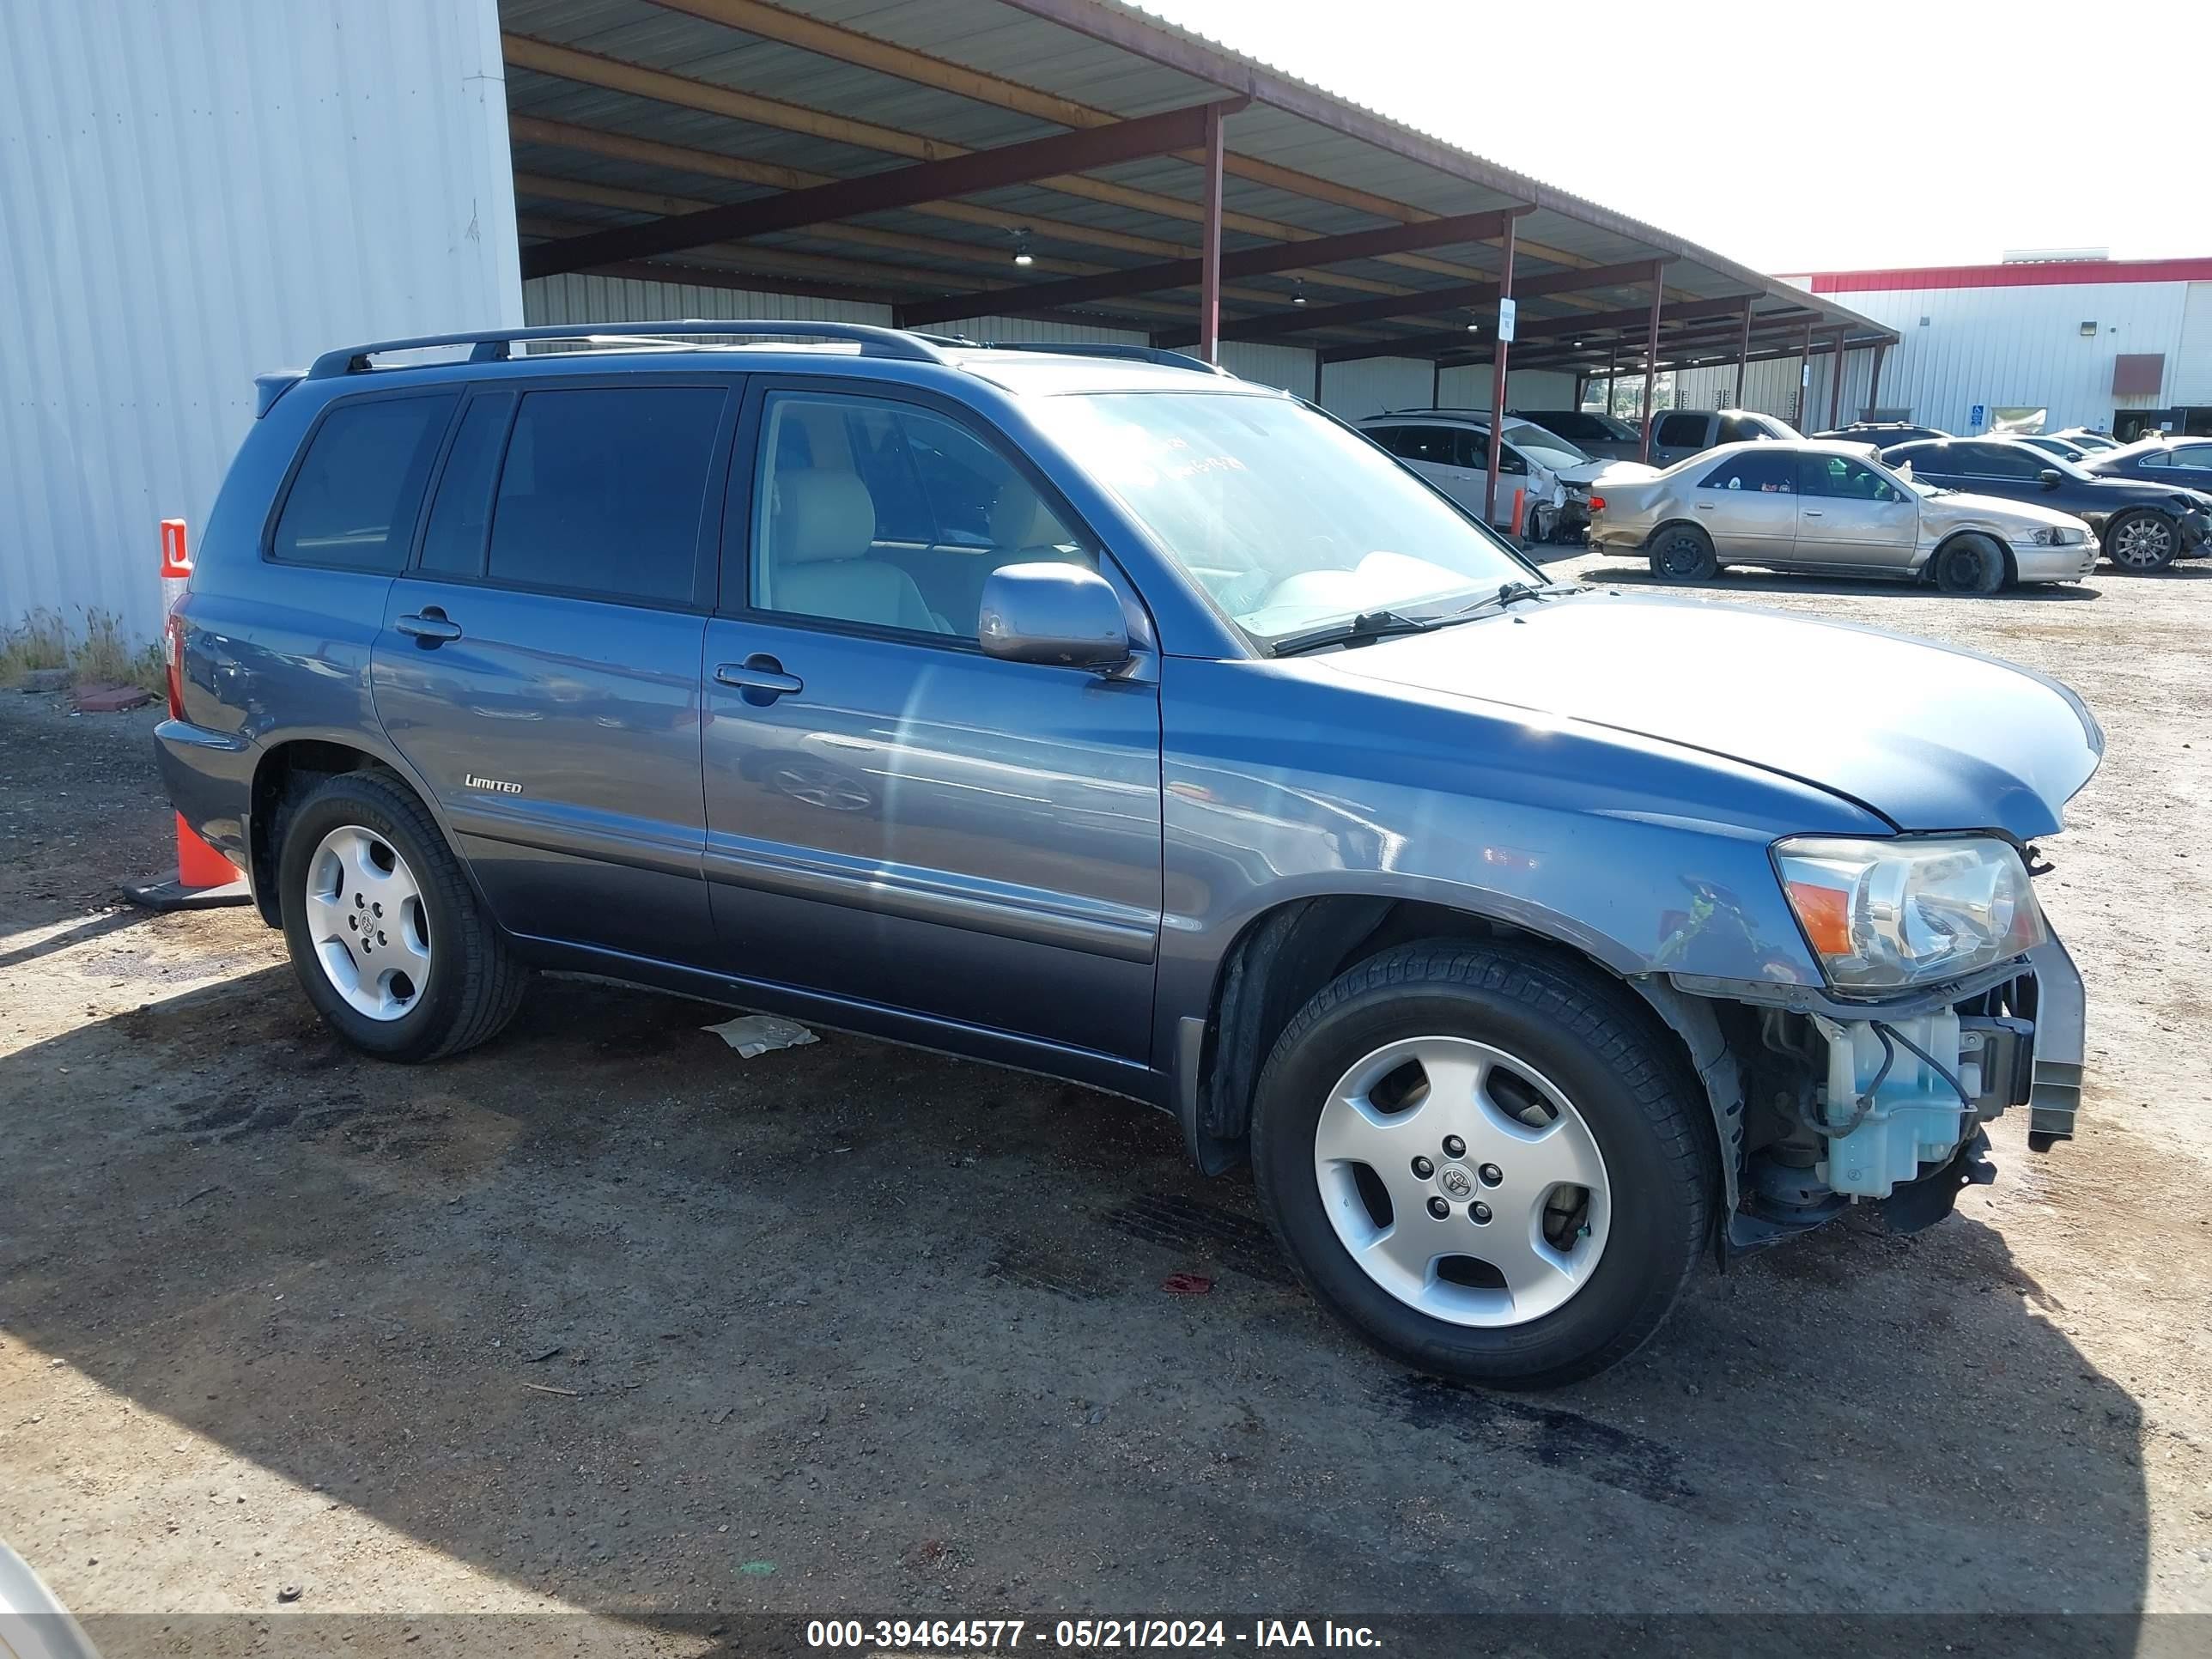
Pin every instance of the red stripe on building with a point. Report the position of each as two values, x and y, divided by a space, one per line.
2008 275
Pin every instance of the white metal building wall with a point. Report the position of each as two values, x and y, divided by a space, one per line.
193 194
1368 385
1291 368
1468 386
1771 388
2190 378
583 299
2004 347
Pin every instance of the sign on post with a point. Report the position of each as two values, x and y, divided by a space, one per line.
1506 322
1978 416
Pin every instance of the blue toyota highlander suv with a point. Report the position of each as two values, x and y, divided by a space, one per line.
1146 728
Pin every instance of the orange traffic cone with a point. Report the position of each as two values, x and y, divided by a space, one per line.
204 878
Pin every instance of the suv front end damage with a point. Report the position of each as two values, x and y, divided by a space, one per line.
1884 1106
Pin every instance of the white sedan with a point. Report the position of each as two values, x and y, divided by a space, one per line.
1833 509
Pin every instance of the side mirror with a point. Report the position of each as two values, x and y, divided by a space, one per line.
1061 614
2051 478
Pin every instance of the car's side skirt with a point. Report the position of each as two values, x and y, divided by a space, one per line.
967 1042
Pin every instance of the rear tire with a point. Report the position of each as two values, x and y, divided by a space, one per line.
1532 1067
2142 542
429 975
1969 564
1683 553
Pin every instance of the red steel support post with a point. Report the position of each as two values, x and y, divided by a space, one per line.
1873 385
1611 371
1502 349
1836 381
1209 288
1650 363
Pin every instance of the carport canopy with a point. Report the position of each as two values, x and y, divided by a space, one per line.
1083 163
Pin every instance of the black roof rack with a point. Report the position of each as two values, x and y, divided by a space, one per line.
494 345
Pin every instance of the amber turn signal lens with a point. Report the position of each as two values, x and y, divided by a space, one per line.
1826 914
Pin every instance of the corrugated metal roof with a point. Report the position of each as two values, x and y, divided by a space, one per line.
772 88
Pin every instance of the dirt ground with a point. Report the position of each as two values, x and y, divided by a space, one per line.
603 1321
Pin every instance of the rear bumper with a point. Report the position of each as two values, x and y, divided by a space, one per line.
209 775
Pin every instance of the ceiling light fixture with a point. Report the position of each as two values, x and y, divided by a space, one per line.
1298 291
1023 257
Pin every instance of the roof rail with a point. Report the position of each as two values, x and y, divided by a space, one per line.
492 346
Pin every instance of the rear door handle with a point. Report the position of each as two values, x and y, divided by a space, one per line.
1703 506
429 625
1811 512
760 676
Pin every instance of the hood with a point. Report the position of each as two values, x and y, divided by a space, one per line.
1924 735
1962 507
1607 472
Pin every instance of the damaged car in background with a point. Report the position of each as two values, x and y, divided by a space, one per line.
1530 941
1833 509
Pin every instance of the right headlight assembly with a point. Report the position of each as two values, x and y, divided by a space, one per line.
1881 915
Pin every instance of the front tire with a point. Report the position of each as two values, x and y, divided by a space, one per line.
1969 564
384 930
1683 553
2142 542
1484 1161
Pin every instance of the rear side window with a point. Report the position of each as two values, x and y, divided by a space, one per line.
1434 444
1999 461
1767 473
1743 429
602 491
1682 432
353 502
453 546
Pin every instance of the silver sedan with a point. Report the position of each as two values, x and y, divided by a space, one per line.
1834 509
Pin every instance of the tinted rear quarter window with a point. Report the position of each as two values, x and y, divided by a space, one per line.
602 491
353 502
1682 432
1765 472
454 544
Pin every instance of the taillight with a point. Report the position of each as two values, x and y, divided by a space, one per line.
174 633
1597 503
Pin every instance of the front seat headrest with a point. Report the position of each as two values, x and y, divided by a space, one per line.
825 515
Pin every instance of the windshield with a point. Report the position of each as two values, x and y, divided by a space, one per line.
1902 471
1549 447
1286 518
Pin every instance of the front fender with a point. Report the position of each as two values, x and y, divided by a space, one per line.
1641 855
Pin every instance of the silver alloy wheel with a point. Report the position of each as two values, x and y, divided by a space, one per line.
366 922
2143 543
1494 1204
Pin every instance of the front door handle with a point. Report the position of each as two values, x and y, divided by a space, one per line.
430 625
760 678
1812 513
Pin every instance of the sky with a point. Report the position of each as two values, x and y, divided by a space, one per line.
1793 135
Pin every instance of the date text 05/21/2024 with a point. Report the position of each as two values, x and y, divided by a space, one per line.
1084 1635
